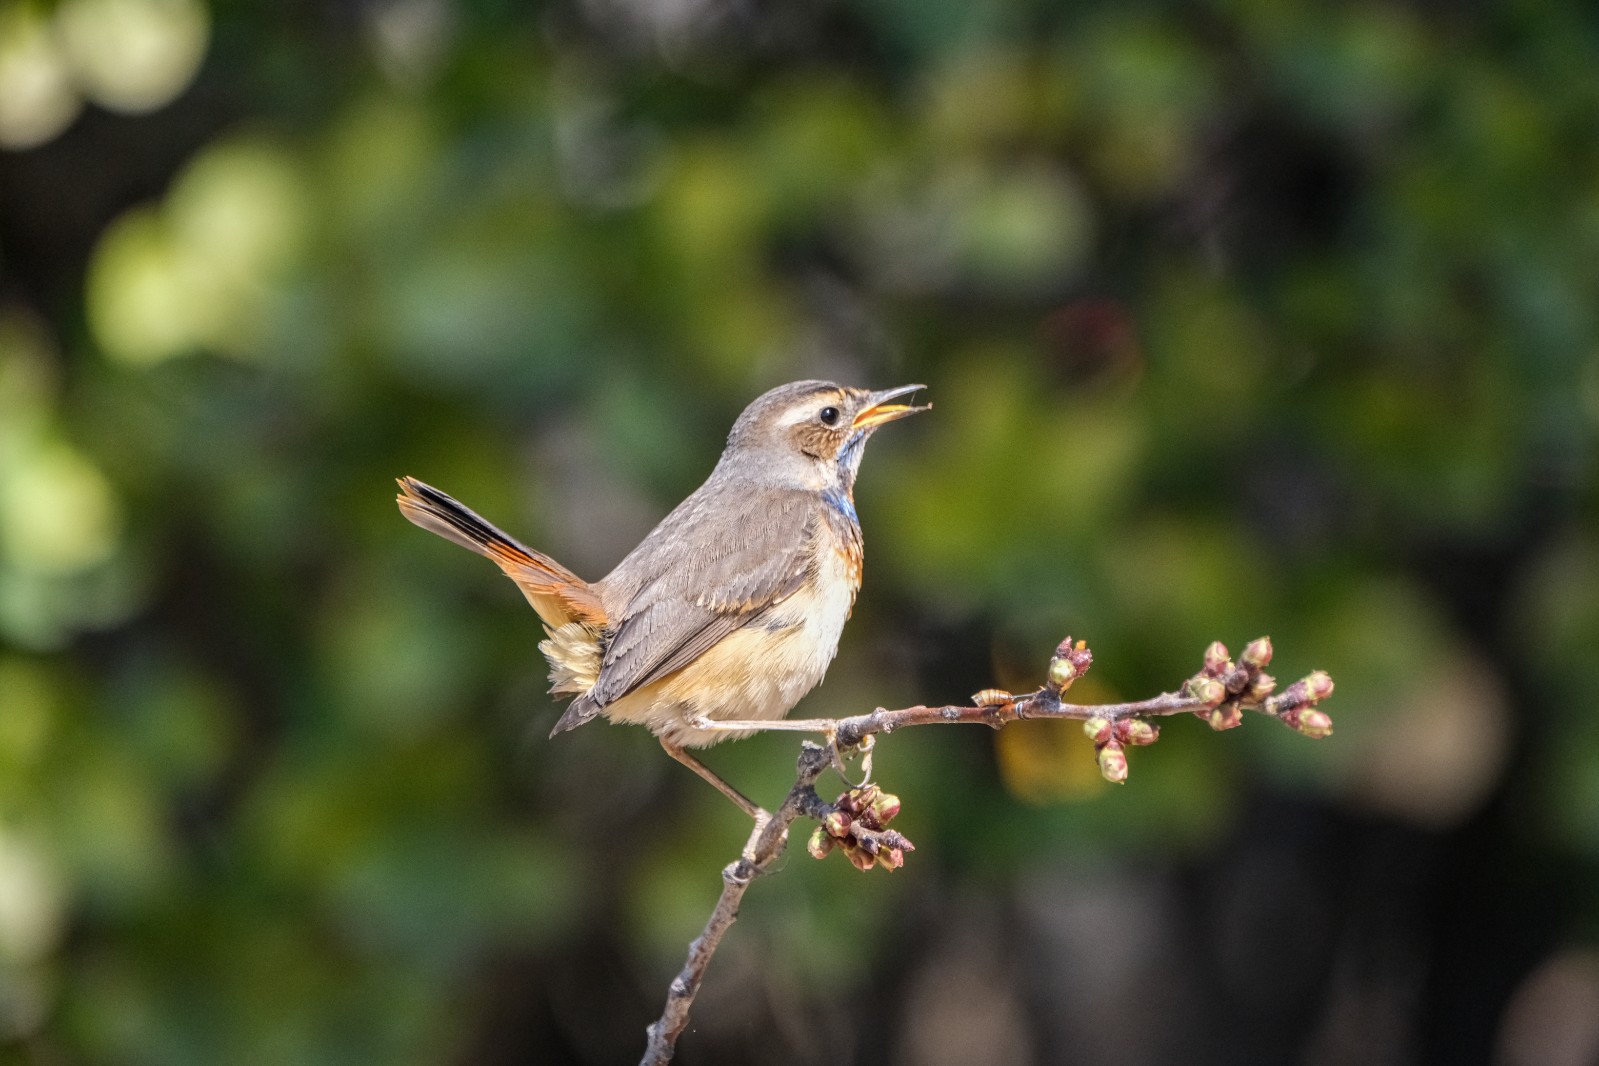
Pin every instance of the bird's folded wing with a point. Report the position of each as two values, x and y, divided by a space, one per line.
746 565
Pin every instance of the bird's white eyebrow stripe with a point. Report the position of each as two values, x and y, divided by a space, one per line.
803 411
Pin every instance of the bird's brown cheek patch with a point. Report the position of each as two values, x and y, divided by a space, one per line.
817 441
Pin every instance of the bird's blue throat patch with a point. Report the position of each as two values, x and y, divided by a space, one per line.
840 501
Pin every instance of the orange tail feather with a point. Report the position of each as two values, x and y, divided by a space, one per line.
539 576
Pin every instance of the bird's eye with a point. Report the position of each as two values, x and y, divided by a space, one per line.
829 416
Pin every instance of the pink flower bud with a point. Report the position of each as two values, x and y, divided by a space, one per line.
1260 687
1216 660
1257 655
1113 763
1225 717
1314 723
1318 686
1137 731
885 807
857 800
1077 653
1098 729
860 859
836 824
891 858
819 844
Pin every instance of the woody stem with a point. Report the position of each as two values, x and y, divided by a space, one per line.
766 845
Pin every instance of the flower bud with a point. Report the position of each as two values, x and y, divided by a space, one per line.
1314 723
1140 732
1098 729
1216 662
1318 686
1113 763
1062 672
885 807
860 859
857 800
1260 687
1257 654
819 844
1206 689
891 858
836 823
1225 717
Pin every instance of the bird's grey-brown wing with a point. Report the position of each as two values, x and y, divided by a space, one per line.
749 551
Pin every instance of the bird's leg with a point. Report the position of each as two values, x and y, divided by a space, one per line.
711 777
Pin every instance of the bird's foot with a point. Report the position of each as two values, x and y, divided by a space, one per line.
789 725
762 818
863 747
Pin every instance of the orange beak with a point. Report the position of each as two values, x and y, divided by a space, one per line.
879 411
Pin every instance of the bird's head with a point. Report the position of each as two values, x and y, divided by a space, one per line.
811 434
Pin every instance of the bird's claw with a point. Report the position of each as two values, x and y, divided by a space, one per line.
864 746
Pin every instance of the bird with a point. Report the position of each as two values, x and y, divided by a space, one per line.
731 608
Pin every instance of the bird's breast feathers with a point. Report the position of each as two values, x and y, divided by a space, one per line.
758 671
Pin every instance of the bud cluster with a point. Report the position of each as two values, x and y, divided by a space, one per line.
1111 738
1226 686
1071 661
858 825
1295 705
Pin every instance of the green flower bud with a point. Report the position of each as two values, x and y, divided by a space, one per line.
1061 672
819 844
1207 690
1113 763
1225 717
1141 732
1098 729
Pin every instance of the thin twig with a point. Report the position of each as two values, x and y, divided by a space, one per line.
1040 704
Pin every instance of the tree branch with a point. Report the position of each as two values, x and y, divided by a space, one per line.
767 842
857 823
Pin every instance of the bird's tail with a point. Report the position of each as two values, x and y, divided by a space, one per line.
546 583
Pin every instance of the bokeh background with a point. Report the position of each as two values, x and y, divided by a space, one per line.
1240 317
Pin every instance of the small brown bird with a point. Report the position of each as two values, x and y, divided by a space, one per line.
731 608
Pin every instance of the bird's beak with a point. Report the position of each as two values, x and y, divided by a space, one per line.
878 410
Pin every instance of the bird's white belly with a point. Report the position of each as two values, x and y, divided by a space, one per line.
756 673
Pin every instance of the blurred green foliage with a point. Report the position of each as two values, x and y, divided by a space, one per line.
1239 317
